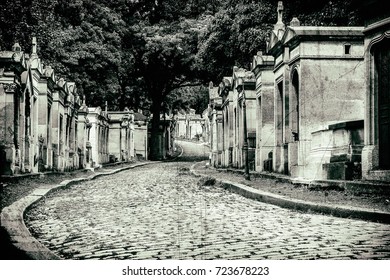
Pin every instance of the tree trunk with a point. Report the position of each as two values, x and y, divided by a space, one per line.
155 144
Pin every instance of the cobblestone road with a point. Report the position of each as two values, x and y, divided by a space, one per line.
161 212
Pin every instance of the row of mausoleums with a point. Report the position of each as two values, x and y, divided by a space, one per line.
317 104
45 125
190 126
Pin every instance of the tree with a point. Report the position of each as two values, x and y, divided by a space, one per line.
164 58
15 23
240 29
195 97
234 33
83 44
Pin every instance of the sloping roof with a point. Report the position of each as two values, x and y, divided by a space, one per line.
140 117
294 34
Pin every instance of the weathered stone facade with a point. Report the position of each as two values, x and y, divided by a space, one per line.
98 137
58 131
262 67
216 128
181 126
319 82
244 96
141 148
225 91
315 110
189 125
83 126
46 126
121 135
376 151
14 122
68 125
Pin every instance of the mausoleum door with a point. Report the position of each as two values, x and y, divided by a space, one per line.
294 113
280 115
382 61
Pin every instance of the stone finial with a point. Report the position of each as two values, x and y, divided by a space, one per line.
280 12
16 48
295 22
259 53
106 106
48 71
132 117
211 85
61 82
249 75
83 107
279 24
34 45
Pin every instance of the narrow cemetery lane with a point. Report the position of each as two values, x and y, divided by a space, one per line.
160 211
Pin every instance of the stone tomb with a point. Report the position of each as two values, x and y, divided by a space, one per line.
319 81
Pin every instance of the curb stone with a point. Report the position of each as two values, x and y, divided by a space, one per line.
12 217
300 205
351 186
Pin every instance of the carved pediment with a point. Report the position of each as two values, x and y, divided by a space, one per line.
289 34
274 40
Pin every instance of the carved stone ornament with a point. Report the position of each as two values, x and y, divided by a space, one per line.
10 87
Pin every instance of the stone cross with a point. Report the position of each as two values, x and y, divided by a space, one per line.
280 12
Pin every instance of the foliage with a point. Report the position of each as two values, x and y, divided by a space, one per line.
235 33
241 29
163 58
183 99
15 17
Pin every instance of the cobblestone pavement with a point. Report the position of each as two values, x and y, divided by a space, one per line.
161 212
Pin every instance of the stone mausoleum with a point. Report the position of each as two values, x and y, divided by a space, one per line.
225 91
376 151
319 99
216 128
262 67
244 106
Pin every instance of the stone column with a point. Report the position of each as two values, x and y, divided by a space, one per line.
123 147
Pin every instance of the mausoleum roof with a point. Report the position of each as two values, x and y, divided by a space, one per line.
140 117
